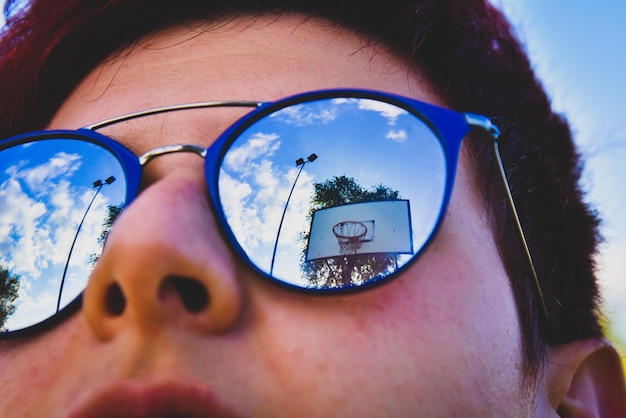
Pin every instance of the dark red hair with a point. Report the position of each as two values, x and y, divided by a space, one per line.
465 48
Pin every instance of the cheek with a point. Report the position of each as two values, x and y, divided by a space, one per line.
26 370
476 305
434 334
42 373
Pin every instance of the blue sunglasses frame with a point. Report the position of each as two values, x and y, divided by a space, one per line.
449 126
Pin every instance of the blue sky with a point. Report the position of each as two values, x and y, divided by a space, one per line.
577 50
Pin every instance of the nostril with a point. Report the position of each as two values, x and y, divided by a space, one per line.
191 292
114 300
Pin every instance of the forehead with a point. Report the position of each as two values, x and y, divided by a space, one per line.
261 59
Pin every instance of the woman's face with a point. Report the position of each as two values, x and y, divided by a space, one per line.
443 339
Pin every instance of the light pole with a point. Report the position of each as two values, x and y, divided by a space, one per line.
299 163
98 184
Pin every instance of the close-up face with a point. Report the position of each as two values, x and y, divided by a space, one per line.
441 339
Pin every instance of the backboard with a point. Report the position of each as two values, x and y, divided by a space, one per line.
388 225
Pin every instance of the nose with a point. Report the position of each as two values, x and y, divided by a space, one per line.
164 264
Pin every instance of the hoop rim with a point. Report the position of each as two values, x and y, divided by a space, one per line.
348 238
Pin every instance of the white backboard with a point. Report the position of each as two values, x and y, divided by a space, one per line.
388 228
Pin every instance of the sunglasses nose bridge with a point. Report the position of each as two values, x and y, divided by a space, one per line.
171 149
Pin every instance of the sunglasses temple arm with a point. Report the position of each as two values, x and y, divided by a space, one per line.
484 123
496 149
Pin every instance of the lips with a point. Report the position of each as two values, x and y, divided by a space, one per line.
162 400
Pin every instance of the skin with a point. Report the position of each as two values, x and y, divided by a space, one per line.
441 340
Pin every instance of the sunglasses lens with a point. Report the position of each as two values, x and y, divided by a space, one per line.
58 198
333 193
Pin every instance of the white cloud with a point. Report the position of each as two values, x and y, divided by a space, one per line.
19 215
238 212
39 178
304 115
398 136
386 110
38 232
241 159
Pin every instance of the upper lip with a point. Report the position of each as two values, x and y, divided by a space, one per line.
134 399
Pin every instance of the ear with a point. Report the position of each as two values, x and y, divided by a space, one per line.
585 379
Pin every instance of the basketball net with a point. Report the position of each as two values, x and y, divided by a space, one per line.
349 235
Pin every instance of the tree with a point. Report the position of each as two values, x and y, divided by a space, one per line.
347 269
9 286
113 212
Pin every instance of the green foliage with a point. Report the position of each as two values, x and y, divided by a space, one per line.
343 190
9 286
113 212
350 269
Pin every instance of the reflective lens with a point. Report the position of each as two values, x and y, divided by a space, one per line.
323 194
335 192
58 199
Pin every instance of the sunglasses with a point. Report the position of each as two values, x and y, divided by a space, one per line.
325 192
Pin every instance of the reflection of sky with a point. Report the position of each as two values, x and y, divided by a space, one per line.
45 189
375 143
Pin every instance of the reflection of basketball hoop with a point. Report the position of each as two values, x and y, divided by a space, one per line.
349 234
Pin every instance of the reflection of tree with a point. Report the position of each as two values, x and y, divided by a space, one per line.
348 269
113 211
9 285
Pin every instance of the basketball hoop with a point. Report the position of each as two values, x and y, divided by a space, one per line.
349 235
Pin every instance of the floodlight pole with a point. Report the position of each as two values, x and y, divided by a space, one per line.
98 184
299 163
